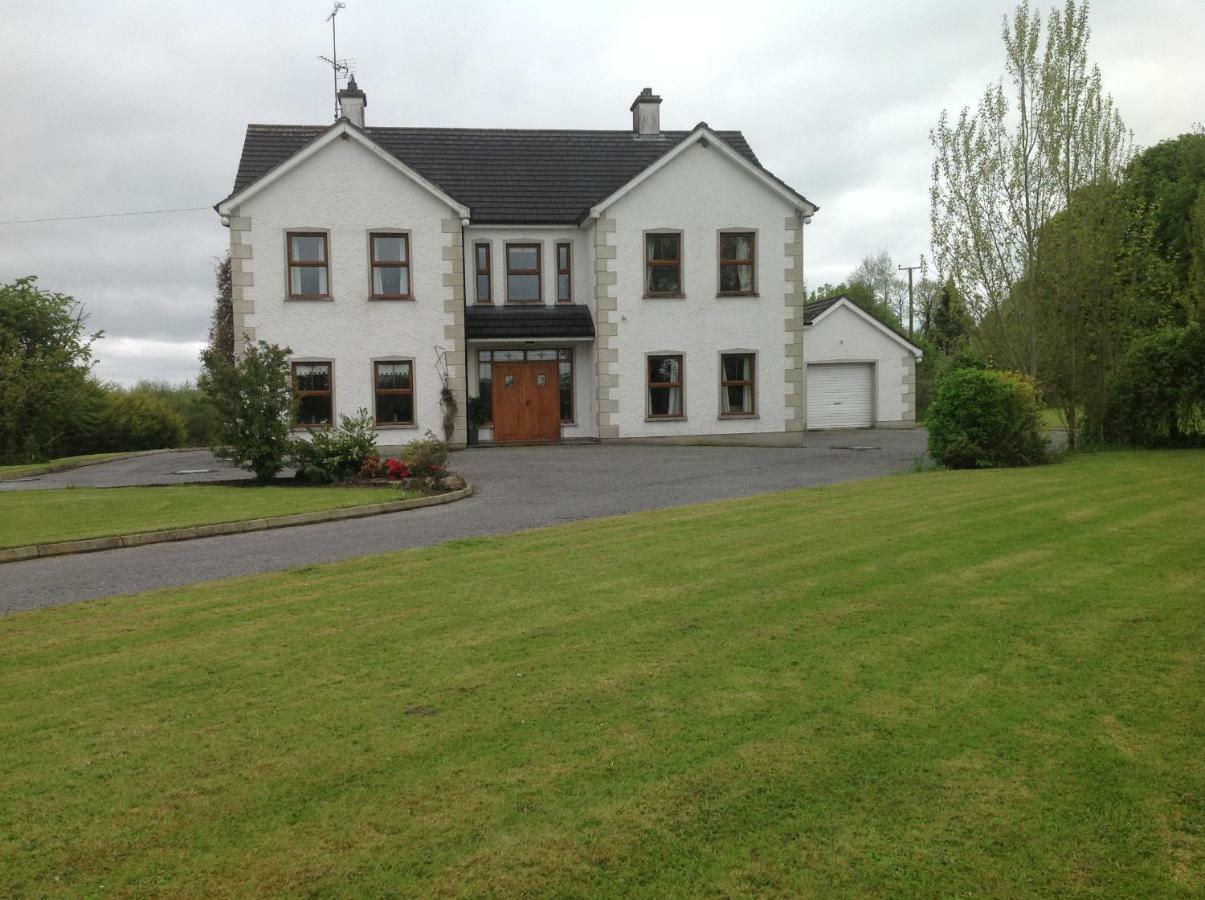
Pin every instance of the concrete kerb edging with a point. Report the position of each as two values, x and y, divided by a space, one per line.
92 545
51 469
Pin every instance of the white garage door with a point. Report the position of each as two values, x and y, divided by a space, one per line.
841 395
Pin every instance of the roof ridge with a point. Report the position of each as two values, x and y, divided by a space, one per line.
677 132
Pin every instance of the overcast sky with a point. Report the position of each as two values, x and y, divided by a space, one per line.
128 106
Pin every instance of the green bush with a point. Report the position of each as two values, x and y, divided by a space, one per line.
984 419
135 420
200 417
253 397
1157 393
336 454
426 457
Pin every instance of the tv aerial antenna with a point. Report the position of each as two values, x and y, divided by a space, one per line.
338 66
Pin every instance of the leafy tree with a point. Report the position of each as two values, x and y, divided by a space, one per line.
878 273
221 325
1076 303
1002 171
1157 392
861 295
254 399
947 324
45 358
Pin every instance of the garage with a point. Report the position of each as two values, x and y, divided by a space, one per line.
841 395
860 372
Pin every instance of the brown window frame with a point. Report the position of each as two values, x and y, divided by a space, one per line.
488 272
307 264
330 392
396 392
567 271
650 263
751 262
374 264
538 271
750 383
649 384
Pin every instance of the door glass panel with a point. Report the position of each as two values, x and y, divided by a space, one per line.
508 355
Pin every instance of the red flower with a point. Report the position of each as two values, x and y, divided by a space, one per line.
395 468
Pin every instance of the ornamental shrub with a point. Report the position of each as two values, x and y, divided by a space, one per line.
336 454
1156 396
426 457
254 400
136 420
985 419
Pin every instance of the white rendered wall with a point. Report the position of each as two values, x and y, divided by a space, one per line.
700 193
346 190
844 336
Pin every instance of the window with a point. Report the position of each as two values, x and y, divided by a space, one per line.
665 387
663 265
390 266
564 274
523 273
736 262
308 278
394 392
736 384
483 267
312 388
485 377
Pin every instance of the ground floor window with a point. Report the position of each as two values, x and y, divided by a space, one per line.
394 392
485 376
313 388
665 384
736 384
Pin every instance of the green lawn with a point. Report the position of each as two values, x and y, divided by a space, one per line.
952 683
25 470
38 517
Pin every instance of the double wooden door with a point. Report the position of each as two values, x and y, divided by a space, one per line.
527 401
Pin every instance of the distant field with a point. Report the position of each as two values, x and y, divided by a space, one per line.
38 517
56 465
957 684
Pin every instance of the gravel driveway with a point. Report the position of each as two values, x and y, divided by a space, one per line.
518 488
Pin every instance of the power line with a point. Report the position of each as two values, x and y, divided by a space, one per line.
144 212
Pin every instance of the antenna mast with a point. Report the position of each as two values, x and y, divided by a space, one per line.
338 66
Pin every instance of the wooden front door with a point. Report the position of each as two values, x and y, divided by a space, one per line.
527 402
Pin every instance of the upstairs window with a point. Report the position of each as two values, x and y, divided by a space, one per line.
483 266
523 273
736 384
737 267
564 273
663 265
390 266
665 387
394 392
313 388
308 277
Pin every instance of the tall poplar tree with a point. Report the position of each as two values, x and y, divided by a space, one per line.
1038 135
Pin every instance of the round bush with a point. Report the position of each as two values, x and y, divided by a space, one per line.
1157 393
985 419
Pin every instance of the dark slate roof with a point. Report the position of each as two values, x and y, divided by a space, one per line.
521 322
504 176
815 308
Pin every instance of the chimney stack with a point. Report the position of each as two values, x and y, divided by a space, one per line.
646 114
352 101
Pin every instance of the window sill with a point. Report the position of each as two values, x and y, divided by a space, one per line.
665 418
742 296
327 299
664 296
396 426
723 416
524 303
409 299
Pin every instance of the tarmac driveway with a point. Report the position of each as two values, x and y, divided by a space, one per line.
518 488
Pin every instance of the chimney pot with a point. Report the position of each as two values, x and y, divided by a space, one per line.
646 114
352 101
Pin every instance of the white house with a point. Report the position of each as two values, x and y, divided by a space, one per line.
601 285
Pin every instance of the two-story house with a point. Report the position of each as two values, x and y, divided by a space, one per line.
599 285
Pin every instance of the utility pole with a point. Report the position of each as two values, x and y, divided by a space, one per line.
909 270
